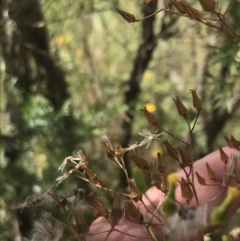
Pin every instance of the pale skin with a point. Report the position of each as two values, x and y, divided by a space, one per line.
129 231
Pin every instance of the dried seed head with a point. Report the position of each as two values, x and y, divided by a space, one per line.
134 193
107 145
182 110
78 207
184 8
185 158
99 207
208 5
117 209
210 172
197 103
172 152
130 18
150 117
132 212
119 151
223 155
233 143
46 230
186 190
231 169
156 177
140 162
161 165
92 176
200 179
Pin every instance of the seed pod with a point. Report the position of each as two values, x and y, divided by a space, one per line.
130 18
150 117
208 5
197 103
182 110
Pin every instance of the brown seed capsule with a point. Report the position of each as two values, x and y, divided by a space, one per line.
150 117
156 177
161 166
99 207
197 103
117 209
223 155
235 143
201 180
210 172
208 5
132 212
182 110
130 18
140 162
185 158
172 152
186 190
134 193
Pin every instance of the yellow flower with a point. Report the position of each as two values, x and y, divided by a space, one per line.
150 107
62 41
148 75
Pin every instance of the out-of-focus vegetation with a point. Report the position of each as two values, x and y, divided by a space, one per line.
67 72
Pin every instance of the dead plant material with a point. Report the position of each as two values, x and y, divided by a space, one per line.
172 151
210 172
197 103
117 211
134 193
152 119
182 110
130 18
132 212
200 179
99 208
208 5
139 162
186 190
186 159
223 155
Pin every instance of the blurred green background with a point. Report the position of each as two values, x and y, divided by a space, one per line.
74 71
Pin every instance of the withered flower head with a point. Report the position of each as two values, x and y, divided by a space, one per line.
185 158
208 5
132 212
156 177
182 110
223 155
232 170
186 190
78 207
46 230
210 172
117 211
150 117
99 207
130 18
172 152
134 193
197 103
233 143
140 162
200 179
